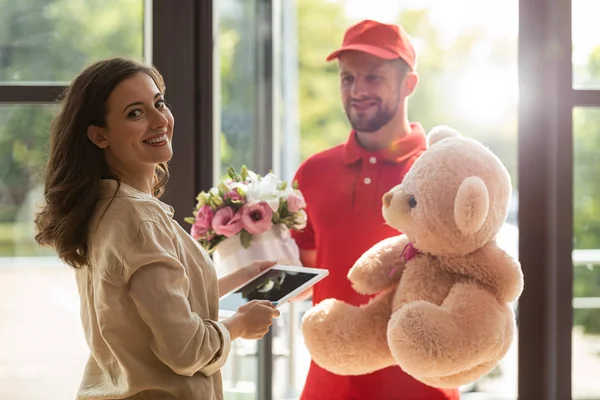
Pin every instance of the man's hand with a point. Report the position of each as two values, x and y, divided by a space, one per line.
251 270
242 275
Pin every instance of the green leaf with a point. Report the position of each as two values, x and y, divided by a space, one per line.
231 172
245 238
275 218
190 220
222 188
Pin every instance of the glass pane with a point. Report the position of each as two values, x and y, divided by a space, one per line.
237 52
51 41
586 44
468 79
36 290
23 141
237 42
586 285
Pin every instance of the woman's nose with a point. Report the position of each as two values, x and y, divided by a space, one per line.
159 120
387 199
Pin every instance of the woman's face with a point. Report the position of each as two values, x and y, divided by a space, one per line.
139 128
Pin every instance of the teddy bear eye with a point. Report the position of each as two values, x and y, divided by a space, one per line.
412 202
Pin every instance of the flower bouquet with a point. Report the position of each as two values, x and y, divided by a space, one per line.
248 217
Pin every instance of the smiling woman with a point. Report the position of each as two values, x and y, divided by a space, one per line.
148 293
97 135
137 133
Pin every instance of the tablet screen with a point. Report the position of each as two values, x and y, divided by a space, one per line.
274 285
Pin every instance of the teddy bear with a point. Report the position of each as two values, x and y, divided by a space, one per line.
442 290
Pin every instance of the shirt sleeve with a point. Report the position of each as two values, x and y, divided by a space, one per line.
159 287
305 239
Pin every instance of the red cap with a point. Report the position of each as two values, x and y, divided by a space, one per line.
386 41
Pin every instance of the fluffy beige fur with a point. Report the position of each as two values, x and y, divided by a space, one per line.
444 316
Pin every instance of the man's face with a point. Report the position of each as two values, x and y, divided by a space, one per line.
371 90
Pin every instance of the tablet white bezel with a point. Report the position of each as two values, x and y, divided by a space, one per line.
319 275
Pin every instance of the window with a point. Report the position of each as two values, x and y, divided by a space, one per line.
51 41
43 44
586 256
586 44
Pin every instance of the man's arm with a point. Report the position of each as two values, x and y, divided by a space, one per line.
309 260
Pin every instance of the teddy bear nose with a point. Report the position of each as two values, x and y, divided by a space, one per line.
387 199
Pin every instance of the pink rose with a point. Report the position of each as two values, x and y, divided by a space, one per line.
226 222
256 218
295 202
203 222
233 195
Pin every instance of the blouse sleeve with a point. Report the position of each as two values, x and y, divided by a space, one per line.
159 287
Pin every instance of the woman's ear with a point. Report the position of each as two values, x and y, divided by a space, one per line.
96 135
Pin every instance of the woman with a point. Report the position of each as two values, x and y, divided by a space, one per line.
149 293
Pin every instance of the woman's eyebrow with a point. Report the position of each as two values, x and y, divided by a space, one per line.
137 103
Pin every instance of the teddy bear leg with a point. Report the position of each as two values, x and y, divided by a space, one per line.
461 378
349 340
470 328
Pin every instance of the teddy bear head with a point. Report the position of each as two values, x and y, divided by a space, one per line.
454 199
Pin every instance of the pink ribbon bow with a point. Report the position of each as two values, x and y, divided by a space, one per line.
408 252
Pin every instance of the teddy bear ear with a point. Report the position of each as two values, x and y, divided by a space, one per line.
471 205
441 132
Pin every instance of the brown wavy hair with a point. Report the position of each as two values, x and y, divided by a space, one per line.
76 165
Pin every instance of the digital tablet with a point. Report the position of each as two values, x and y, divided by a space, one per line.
278 284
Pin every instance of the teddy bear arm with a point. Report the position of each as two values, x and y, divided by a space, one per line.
469 329
349 340
380 267
510 279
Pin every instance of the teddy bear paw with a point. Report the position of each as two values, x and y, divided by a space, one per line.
424 340
341 339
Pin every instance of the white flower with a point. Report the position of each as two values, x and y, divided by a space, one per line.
252 176
265 190
238 185
300 220
286 192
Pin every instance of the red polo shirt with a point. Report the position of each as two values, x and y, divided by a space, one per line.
343 187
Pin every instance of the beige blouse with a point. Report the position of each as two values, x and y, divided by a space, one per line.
149 305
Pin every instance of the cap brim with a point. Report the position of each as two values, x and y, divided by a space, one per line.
365 48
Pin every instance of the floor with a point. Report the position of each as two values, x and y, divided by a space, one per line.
42 350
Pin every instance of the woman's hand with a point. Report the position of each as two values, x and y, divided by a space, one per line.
252 320
242 275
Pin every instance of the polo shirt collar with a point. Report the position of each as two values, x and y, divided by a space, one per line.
399 151
108 187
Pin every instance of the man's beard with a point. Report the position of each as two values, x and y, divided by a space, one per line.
374 123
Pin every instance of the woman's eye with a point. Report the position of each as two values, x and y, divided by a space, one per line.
412 201
134 113
160 104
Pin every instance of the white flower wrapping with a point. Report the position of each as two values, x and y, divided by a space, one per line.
248 217
276 244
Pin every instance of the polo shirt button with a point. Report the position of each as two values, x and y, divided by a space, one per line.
367 181
372 160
